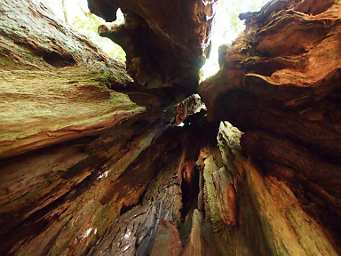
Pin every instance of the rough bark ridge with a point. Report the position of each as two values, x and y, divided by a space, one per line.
93 164
280 84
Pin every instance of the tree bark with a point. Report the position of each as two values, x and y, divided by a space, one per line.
96 161
165 41
83 148
280 84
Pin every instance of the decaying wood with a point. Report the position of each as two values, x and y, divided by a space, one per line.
288 229
55 106
52 91
60 109
160 51
94 162
279 84
290 72
271 218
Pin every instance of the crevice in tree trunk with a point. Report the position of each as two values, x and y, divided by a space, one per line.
99 159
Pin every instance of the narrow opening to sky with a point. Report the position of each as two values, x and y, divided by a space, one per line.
77 15
226 27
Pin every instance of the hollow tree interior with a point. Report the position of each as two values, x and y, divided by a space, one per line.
147 157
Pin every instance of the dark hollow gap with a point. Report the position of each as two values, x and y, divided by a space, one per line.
190 191
59 61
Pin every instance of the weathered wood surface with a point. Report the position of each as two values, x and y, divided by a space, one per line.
90 166
161 52
58 113
280 84
288 57
81 150
265 215
41 108
53 82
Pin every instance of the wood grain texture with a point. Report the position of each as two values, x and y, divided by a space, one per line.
94 163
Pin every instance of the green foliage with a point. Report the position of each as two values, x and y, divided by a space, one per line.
87 24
